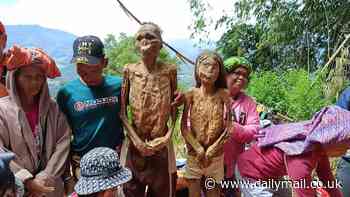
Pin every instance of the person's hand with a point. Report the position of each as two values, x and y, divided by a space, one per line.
118 149
37 186
178 100
69 184
260 134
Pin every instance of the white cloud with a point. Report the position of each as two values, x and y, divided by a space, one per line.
83 17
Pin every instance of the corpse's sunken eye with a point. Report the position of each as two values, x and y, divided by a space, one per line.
149 36
146 35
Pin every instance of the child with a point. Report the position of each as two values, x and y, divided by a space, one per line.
209 126
101 174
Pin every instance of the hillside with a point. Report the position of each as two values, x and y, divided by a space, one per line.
58 44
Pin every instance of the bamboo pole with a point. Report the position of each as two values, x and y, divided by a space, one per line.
178 54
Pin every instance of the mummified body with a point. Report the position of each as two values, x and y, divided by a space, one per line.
207 118
150 98
209 127
149 88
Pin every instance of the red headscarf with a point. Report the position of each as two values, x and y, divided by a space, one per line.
18 57
2 28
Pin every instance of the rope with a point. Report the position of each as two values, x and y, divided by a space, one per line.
132 16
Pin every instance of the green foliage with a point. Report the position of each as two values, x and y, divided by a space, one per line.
302 100
122 51
266 88
278 34
293 93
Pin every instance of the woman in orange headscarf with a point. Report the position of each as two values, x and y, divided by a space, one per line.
31 125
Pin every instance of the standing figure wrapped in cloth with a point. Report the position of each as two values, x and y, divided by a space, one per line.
149 88
206 124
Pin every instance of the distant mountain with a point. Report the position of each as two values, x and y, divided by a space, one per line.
55 42
58 44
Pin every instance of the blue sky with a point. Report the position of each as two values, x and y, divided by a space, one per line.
8 2
82 17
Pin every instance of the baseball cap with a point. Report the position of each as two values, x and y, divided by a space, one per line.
88 50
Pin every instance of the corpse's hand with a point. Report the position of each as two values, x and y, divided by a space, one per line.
158 143
179 99
144 149
200 157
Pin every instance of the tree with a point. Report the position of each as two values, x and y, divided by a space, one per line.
282 33
122 51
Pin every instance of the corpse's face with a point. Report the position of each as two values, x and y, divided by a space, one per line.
208 71
148 45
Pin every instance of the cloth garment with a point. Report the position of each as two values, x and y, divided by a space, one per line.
16 135
215 170
93 113
17 57
246 127
259 163
330 128
148 169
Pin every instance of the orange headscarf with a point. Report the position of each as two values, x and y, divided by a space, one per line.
18 57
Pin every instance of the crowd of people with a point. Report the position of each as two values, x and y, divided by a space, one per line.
107 136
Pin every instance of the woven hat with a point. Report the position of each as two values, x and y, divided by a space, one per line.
101 170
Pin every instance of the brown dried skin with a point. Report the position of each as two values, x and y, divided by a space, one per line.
149 89
149 95
210 127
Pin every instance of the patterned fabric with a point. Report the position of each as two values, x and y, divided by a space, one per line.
330 127
101 170
232 63
18 57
